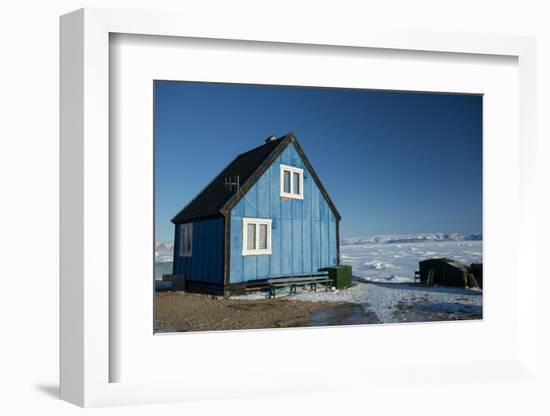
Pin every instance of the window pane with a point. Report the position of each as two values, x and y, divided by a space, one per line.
263 237
185 239
296 183
287 181
183 231
250 236
189 238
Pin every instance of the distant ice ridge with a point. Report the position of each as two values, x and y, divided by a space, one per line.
164 252
407 238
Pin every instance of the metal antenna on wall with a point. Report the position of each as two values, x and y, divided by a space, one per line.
232 183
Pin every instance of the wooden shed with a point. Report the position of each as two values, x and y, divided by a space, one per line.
443 271
265 216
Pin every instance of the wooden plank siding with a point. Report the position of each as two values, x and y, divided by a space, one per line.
206 262
304 231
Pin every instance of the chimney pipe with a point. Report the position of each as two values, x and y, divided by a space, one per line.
271 138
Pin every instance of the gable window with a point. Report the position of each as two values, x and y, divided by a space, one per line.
256 236
292 182
186 240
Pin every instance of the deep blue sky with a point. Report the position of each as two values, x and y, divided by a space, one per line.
393 162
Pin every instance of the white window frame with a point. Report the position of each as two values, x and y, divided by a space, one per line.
183 252
257 222
292 170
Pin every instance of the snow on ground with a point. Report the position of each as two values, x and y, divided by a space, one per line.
392 302
382 273
397 262
401 302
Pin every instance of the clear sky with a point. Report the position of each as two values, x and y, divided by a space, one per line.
392 162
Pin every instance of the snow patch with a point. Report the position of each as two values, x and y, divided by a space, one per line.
384 299
378 265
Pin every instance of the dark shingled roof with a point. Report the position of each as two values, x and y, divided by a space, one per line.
447 260
212 199
216 199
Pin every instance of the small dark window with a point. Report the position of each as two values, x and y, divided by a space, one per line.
287 182
296 184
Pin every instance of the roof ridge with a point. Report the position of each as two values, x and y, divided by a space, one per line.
262 145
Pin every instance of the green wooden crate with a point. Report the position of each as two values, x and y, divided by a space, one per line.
341 276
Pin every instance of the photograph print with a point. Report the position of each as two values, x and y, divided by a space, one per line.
290 206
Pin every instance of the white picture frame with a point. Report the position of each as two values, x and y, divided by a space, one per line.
86 309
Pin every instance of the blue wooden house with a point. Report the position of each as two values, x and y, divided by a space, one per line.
265 216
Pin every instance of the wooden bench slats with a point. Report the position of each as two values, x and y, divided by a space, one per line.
297 279
279 284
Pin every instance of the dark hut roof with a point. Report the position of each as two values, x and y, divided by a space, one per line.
215 199
449 261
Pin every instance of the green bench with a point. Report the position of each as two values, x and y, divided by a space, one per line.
277 285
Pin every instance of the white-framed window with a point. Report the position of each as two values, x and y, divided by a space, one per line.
256 236
186 240
292 182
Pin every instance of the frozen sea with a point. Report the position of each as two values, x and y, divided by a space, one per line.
397 262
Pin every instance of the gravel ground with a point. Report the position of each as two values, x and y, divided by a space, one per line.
184 312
